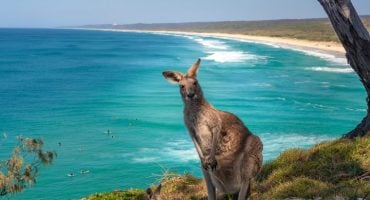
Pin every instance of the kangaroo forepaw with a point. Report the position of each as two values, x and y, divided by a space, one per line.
210 162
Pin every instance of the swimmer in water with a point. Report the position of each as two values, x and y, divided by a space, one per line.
71 174
85 171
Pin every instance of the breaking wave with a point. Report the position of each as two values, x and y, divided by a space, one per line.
331 69
212 44
179 151
219 51
229 56
278 142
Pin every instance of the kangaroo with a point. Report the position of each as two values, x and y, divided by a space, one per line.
150 195
230 154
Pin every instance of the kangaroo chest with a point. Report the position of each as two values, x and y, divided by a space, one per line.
204 138
201 130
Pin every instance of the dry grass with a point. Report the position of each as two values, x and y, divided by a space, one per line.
182 187
328 170
331 170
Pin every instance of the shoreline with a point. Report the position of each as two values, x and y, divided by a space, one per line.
317 47
291 43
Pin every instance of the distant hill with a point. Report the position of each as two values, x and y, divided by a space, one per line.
318 29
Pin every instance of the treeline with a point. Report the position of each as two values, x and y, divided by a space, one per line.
309 29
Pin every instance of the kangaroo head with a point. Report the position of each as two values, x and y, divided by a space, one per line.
156 195
189 87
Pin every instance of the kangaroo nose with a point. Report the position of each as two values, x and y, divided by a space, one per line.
191 95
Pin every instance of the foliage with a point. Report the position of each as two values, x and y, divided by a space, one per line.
18 172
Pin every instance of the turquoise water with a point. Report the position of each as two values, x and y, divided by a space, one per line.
71 86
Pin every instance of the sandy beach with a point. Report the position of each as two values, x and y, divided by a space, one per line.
330 48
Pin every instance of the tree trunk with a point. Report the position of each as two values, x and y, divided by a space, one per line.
356 41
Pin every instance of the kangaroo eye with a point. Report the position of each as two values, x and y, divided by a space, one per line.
182 86
195 83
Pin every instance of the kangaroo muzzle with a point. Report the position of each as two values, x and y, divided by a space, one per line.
190 93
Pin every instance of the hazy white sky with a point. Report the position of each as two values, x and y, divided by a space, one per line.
53 13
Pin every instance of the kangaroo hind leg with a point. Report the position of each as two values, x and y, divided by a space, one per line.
211 190
235 196
245 190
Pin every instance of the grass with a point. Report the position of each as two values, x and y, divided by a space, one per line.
338 169
131 194
329 170
174 186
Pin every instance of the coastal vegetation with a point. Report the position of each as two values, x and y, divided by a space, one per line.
308 29
18 171
337 169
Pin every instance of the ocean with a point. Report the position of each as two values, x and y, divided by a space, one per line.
74 86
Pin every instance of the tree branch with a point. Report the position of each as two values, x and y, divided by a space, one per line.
356 41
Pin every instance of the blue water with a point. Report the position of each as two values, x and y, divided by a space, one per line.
71 86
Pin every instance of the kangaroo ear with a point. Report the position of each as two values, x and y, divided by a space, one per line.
173 77
149 192
193 70
158 189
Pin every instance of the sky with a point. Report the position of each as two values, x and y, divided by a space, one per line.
57 13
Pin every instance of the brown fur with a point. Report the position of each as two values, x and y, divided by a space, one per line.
230 154
150 195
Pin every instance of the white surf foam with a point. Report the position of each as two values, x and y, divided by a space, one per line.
146 159
328 57
356 109
229 56
304 105
331 69
213 44
269 98
261 85
173 34
177 151
325 56
221 45
219 51
182 155
278 142
255 42
167 155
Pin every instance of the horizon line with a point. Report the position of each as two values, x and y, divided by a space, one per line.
152 23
